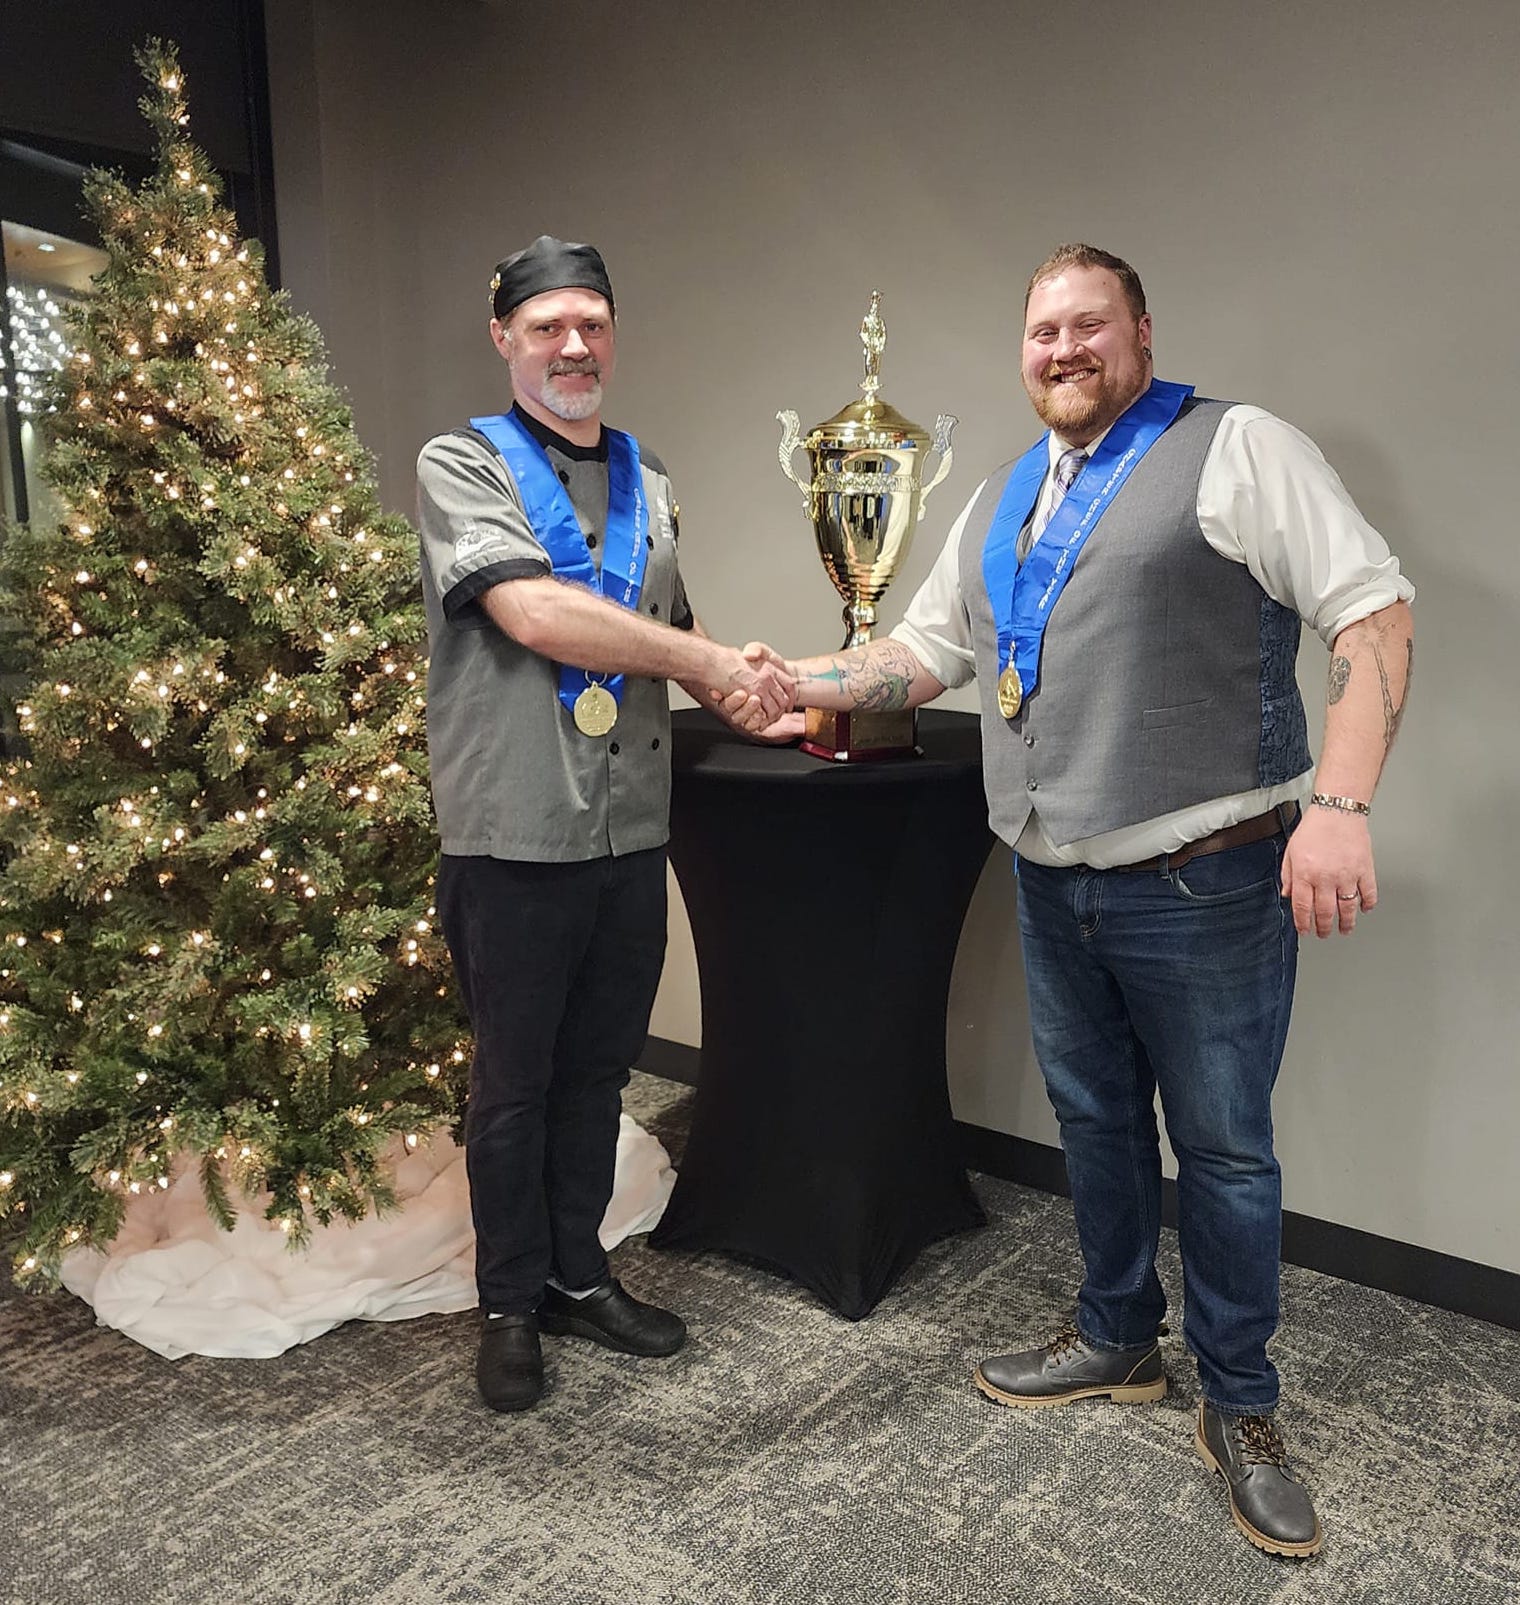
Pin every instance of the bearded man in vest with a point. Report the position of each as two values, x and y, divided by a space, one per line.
556 614
1146 757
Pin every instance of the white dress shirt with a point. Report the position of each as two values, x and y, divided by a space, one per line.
1266 498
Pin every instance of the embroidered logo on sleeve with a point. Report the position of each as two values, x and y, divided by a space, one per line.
474 539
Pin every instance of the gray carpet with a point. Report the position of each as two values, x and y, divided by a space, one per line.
785 1457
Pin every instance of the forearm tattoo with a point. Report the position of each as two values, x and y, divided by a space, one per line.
1340 673
1393 708
1393 716
876 678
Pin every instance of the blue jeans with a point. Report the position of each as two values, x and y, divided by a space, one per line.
1182 980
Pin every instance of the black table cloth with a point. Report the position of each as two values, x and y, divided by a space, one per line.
826 903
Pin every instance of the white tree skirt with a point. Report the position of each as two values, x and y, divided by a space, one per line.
179 1285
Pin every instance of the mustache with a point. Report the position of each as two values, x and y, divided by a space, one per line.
575 365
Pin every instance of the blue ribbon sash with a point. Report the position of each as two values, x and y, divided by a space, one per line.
552 516
1023 598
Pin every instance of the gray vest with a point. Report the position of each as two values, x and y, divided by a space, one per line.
1166 673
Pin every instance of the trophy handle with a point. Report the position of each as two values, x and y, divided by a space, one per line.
942 428
791 439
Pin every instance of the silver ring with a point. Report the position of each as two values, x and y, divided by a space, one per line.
1348 897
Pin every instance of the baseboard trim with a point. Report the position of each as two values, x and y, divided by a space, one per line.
1483 1292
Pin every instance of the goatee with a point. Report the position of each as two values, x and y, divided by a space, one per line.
573 406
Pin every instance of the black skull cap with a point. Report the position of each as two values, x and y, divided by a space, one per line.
547 264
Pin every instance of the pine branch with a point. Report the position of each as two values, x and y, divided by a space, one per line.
217 938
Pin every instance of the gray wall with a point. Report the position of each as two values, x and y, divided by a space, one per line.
1322 200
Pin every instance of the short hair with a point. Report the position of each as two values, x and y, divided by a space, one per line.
1089 256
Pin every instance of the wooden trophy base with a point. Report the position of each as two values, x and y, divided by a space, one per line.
861 737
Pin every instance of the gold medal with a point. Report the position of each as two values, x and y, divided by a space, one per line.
1010 692
595 711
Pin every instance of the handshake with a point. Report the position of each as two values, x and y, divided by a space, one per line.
758 693
761 693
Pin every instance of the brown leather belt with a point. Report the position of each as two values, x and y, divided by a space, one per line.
1275 822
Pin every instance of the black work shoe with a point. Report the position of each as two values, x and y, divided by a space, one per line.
1066 1369
1270 1506
614 1319
509 1367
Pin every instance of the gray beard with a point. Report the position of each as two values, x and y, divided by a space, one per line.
574 408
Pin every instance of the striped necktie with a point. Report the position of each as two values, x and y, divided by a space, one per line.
1068 466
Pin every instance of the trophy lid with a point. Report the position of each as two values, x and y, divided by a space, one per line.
870 421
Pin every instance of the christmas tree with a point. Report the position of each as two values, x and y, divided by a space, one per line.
217 942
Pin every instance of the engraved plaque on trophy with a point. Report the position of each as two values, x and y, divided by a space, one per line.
864 497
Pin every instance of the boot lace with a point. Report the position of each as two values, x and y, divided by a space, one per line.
1260 1443
1067 1341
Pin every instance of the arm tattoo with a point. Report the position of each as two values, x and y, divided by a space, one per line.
1393 713
1398 713
1340 673
1377 634
877 677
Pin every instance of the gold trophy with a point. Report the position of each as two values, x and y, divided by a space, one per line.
865 499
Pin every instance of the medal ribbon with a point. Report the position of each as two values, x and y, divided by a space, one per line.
1023 597
550 512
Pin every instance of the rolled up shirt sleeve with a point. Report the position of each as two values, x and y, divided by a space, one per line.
937 626
475 533
1267 498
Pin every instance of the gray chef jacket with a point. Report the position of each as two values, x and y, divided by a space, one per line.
512 775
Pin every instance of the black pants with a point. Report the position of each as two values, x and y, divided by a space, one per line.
558 965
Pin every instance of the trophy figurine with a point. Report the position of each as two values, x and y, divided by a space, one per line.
864 498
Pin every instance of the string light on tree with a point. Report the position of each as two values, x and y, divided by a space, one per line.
221 832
